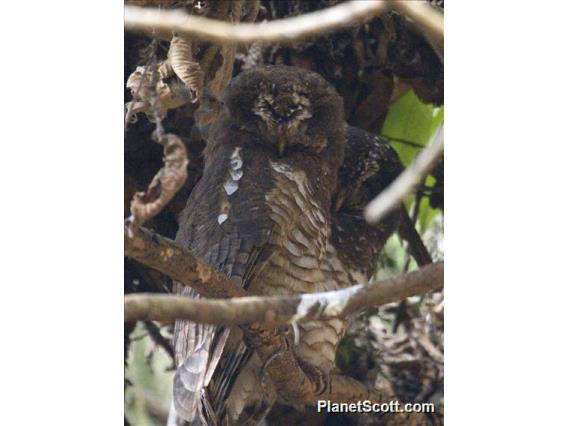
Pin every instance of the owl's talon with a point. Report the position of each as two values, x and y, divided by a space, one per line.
292 329
321 378
263 369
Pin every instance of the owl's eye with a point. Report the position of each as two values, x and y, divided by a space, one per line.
274 112
283 114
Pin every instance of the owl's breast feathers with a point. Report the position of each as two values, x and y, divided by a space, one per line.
250 201
260 220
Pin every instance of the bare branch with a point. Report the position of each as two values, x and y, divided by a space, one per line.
293 380
416 248
408 180
165 22
180 264
279 309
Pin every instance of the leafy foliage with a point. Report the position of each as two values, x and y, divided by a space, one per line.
409 124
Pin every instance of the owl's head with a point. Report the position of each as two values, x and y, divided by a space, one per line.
369 167
286 108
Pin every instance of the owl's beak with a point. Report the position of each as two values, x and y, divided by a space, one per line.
281 146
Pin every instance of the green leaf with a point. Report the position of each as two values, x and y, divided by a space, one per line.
410 119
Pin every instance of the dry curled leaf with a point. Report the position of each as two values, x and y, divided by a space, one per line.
213 68
171 94
180 57
165 70
166 183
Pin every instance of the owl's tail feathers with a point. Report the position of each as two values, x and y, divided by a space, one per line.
193 375
189 380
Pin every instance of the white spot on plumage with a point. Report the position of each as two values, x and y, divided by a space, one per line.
236 162
222 218
235 172
236 153
230 187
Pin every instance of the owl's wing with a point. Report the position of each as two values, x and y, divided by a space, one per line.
202 346
226 224
198 346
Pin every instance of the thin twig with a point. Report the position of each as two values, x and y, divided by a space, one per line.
416 248
280 309
288 30
154 93
408 181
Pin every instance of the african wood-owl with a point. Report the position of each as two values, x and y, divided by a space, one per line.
261 214
370 165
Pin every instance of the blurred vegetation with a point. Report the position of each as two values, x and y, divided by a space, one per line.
149 369
411 124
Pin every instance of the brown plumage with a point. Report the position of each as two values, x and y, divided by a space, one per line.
261 215
370 165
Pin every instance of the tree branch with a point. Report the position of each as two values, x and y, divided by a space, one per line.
165 22
294 380
416 248
284 309
180 264
407 181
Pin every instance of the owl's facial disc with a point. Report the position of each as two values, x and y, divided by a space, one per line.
283 113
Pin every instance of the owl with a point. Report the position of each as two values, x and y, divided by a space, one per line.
370 165
261 214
